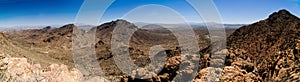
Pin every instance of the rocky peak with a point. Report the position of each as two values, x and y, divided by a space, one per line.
121 21
259 43
277 32
47 28
68 26
282 15
64 29
111 25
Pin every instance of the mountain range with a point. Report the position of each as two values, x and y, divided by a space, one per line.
267 50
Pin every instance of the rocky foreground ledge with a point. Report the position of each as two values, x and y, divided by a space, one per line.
19 70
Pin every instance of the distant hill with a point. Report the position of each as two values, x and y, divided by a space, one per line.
7 46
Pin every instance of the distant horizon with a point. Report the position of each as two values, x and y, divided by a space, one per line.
61 12
60 25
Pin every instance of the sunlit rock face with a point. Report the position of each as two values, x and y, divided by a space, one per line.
19 70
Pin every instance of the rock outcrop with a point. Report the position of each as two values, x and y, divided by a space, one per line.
19 70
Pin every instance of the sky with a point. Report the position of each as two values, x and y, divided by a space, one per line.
59 12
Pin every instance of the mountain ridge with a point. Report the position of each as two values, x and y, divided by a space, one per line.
260 43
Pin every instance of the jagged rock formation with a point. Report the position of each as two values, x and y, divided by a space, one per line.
167 74
19 70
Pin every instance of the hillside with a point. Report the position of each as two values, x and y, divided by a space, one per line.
16 50
268 47
279 32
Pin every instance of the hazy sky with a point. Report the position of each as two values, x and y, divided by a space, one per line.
57 12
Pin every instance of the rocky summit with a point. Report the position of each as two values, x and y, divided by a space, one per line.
268 48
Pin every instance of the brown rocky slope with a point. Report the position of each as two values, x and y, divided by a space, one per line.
268 49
